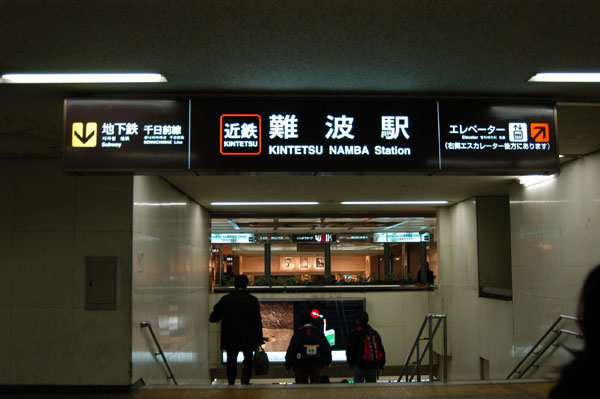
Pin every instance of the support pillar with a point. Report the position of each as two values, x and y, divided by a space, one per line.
327 259
267 259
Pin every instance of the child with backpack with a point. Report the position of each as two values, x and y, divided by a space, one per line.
307 352
365 353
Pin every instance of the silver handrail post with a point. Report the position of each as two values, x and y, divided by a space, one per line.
160 351
431 348
428 347
445 352
540 353
412 349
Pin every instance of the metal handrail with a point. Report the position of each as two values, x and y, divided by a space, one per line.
428 347
160 351
540 353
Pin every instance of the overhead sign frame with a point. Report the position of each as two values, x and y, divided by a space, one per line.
328 135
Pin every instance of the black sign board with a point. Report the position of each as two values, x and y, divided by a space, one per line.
283 135
313 238
484 136
126 135
272 238
314 135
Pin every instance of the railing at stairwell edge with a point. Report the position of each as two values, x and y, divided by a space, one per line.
428 321
538 350
160 351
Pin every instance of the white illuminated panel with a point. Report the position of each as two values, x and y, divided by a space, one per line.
279 356
43 78
232 238
401 237
569 77
264 203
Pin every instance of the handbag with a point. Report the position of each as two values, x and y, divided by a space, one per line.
261 361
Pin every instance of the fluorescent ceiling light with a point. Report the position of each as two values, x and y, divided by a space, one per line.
394 202
159 204
534 179
82 78
570 77
271 203
233 224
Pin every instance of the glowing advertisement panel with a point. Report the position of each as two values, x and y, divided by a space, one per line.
280 318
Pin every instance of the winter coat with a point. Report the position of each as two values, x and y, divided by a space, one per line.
241 325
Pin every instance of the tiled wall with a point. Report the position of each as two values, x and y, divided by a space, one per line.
477 327
170 283
555 242
49 223
555 230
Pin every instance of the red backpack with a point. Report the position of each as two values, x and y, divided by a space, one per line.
372 347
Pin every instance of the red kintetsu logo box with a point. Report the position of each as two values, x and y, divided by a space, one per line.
240 134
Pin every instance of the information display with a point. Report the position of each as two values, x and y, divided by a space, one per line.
126 135
497 136
312 135
313 238
402 237
233 238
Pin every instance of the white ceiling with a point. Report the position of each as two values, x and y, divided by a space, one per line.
407 48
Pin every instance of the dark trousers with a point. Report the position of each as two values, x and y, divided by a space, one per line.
365 374
232 354
306 374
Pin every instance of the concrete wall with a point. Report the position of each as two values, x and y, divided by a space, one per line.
49 223
555 227
555 242
170 282
477 327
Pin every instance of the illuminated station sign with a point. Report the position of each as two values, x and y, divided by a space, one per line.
323 134
126 135
402 237
248 238
233 238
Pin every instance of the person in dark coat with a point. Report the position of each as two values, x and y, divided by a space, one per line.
308 352
364 370
578 378
430 276
241 328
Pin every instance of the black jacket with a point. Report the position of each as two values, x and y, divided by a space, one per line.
242 324
299 339
355 348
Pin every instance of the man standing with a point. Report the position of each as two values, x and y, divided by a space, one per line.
365 353
241 328
307 352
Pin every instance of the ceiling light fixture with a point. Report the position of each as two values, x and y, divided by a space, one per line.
42 78
530 180
233 224
267 203
566 77
394 202
159 203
